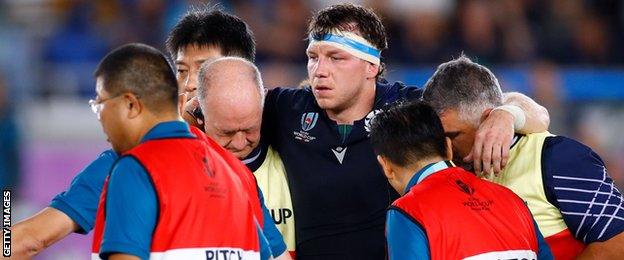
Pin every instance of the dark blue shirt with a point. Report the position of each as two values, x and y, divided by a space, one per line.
338 190
577 182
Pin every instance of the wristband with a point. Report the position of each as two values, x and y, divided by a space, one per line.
517 113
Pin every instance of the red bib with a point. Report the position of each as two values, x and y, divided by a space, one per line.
464 216
205 206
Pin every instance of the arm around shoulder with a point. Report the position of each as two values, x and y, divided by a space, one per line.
537 118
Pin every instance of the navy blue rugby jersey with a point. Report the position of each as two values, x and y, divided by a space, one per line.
576 181
337 187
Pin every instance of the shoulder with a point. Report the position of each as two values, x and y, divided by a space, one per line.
504 194
288 98
411 201
103 162
286 93
128 173
397 91
97 170
287 104
127 163
564 152
407 89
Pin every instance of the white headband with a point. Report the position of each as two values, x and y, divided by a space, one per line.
351 43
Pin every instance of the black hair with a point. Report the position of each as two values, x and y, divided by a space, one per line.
213 28
408 132
353 18
142 70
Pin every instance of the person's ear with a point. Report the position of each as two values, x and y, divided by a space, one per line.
372 70
449 148
134 105
386 167
485 114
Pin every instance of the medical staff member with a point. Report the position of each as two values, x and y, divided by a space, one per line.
445 212
563 182
231 95
170 195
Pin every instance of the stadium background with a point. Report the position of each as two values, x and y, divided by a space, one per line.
566 54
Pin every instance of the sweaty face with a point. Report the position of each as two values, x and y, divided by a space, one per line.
462 136
234 125
337 77
188 62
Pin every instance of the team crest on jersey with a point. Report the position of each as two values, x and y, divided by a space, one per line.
370 117
308 120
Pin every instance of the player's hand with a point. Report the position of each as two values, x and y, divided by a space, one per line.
490 151
189 113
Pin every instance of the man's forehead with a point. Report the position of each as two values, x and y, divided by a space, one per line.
193 52
229 120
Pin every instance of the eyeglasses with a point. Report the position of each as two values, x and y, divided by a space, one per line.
96 106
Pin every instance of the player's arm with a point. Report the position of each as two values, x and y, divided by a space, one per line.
490 152
405 238
577 182
610 249
36 233
131 211
537 117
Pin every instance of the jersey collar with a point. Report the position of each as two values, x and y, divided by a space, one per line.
254 160
426 171
169 129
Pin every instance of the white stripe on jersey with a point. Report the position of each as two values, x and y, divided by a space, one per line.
204 253
509 254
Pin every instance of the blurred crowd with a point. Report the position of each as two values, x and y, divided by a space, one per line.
49 48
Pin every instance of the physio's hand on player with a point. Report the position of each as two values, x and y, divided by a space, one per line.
490 151
188 113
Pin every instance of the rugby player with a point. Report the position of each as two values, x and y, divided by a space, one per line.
339 193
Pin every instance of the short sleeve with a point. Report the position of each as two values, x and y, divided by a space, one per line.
405 238
80 201
131 211
578 183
